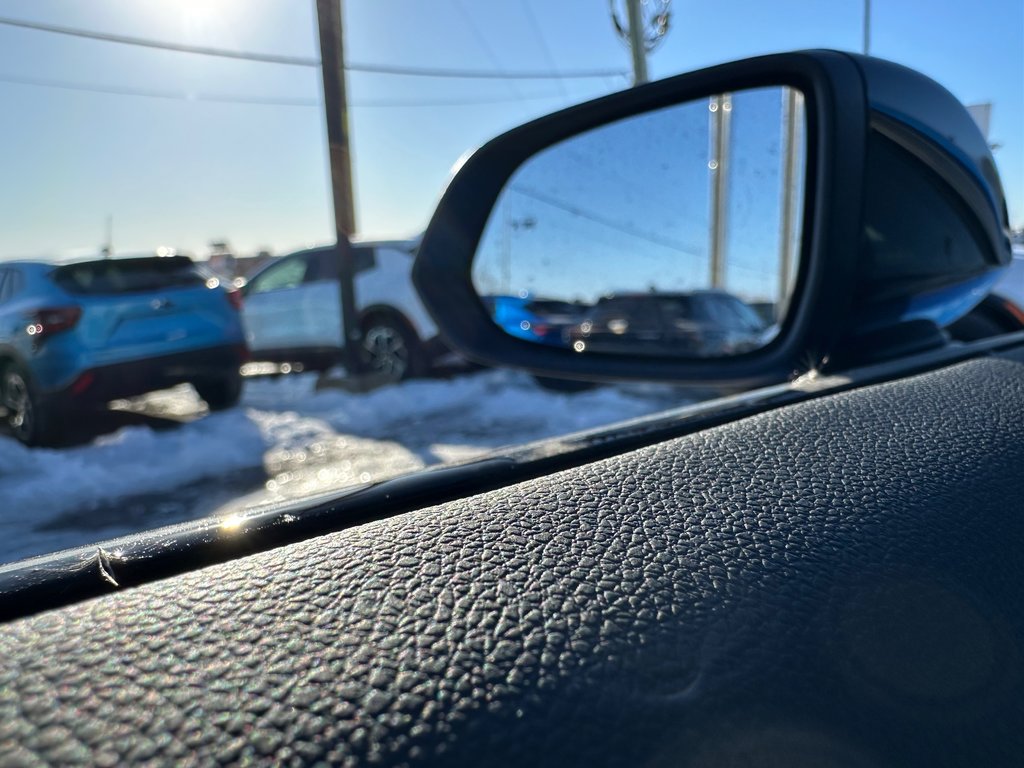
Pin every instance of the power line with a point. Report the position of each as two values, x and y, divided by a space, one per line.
300 61
260 100
454 102
484 43
476 74
269 58
155 94
532 18
603 221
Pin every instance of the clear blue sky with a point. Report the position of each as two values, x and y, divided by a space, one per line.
180 172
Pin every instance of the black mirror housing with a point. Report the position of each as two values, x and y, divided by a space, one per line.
849 101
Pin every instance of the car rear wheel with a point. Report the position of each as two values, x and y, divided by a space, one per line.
391 350
27 419
220 393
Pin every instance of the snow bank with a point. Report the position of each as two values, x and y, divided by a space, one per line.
299 440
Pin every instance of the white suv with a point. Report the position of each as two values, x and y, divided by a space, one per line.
292 310
1011 284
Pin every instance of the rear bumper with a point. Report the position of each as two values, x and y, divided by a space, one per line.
129 379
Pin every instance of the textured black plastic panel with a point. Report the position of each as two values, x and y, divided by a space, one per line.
835 583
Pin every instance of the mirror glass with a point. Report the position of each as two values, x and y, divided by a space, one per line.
673 232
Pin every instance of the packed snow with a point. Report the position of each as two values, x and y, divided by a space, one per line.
287 440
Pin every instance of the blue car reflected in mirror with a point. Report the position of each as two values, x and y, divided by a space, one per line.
656 234
545 321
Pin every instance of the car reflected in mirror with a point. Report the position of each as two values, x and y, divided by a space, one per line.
544 321
837 222
698 324
657 234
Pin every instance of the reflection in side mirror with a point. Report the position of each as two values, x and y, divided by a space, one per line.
673 232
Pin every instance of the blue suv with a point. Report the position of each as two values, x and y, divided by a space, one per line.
83 334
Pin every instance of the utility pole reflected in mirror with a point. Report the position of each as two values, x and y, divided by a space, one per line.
720 111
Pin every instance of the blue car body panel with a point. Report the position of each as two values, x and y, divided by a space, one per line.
515 315
113 329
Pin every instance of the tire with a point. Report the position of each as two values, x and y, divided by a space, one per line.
390 348
563 385
976 326
220 393
28 418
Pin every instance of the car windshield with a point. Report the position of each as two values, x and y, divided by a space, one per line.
112 276
174 299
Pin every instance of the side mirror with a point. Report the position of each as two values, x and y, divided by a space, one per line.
736 225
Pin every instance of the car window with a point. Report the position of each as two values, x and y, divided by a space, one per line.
318 266
677 308
363 258
641 313
137 275
176 170
549 307
289 273
730 313
324 264
746 317
13 285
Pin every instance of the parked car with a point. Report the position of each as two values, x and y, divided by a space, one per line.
1011 284
527 317
1002 311
292 310
822 573
86 333
699 324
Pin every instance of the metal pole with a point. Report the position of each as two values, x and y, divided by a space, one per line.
867 27
636 42
721 109
108 248
332 67
792 122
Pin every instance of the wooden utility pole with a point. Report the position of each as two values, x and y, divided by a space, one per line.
332 66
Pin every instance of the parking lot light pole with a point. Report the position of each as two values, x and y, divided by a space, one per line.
720 109
329 16
792 132
867 27
636 42
641 32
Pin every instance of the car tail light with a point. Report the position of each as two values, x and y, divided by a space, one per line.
1014 310
235 298
83 382
51 320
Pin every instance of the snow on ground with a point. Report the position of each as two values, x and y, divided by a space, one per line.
284 442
